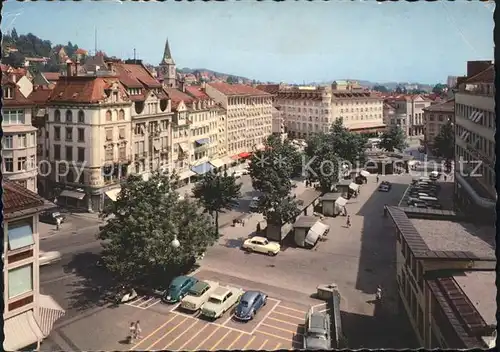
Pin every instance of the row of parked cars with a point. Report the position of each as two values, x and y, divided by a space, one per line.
424 193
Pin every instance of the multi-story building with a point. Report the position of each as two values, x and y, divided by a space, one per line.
28 315
451 81
445 273
411 106
19 136
475 124
435 117
248 115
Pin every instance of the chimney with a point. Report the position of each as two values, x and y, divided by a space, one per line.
203 85
77 63
182 84
69 68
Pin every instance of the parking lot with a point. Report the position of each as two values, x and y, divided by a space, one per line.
277 325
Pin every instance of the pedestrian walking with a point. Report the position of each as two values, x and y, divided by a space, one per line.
58 223
132 332
348 223
377 178
445 178
138 330
378 295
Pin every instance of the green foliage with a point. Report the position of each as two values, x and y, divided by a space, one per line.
146 217
439 88
349 146
381 89
393 139
217 192
444 144
271 171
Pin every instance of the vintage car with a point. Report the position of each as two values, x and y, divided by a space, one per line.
249 305
46 258
317 331
385 186
254 204
220 301
261 245
178 288
51 216
198 295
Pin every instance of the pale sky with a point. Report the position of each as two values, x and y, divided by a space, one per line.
276 41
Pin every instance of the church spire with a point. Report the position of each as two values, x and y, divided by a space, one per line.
167 56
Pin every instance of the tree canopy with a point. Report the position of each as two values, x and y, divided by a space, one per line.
141 225
393 139
271 170
444 144
381 89
217 192
439 88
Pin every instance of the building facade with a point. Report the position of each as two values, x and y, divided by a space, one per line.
28 315
412 108
435 117
475 125
19 140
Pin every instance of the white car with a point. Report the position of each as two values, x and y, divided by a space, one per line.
220 301
46 258
261 245
198 295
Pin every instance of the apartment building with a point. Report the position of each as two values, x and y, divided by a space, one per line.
411 107
475 124
393 118
435 117
28 315
445 273
248 115
89 129
19 136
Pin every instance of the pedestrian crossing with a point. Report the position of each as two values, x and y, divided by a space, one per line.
144 302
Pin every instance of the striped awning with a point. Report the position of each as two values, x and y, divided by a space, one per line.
186 174
217 163
72 194
113 193
21 331
49 312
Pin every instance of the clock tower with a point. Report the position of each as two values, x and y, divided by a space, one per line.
167 68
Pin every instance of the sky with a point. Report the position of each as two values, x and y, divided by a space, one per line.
291 42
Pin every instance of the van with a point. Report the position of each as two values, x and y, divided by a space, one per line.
426 198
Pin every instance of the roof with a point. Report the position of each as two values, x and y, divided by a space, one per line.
480 288
176 96
40 95
331 196
305 221
135 76
199 286
486 76
447 106
82 89
220 292
269 88
197 92
250 295
51 76
446 235
16 198
18 99
236 89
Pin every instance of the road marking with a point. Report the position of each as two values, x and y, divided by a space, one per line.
149 300
283 321
249 342
281 329
154 332
215 324
134 301
228 320
185 331
234 342
277 346
214 347
166 334
276 336
288 315
152 304
295 310
265 316
174 308
209 336
262 346
192 338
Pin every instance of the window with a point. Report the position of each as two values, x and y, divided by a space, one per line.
13 117
122 151
31 140
69 116
21 163
108 153
22 140
81 116
81 154
109 134
121 132
57 133
7 93
69 153
7 142
20 234
32 162
57 116
20 280
69 134
8 164
108 115
81 135
121 115
57 152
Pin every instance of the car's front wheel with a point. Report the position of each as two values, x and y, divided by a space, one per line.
249 249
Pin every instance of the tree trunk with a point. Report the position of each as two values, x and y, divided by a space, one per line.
217 221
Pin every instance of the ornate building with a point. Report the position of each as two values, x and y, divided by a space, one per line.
167 74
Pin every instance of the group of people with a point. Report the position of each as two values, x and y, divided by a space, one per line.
135 331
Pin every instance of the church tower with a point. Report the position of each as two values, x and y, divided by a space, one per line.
167 68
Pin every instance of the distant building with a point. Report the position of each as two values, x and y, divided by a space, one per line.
167 73
435 117
451 81
411 106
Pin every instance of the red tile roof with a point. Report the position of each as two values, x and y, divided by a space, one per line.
17 198
447 106
135 76
40 95
176 96
82 89
51 76
237 89
18 99
269 88
486 76
197 92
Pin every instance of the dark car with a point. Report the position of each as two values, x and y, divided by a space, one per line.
178 288
254 204
51 216
250 303
317 334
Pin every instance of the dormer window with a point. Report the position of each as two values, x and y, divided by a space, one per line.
8 93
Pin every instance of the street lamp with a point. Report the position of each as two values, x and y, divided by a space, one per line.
175 242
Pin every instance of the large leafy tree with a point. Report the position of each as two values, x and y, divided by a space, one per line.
393 139
323 162
271 170
439 88
217 192
141 225
349 146
444 144
380 88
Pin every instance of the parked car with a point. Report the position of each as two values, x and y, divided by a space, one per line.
317 331
198 295
254 204
249 305
46 258
220 301
385 186
261 245
51 216
418 205
434 175
178 288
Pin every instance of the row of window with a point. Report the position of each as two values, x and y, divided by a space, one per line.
13 117
248 101
139 147
441 117
22 163
484 171
480 143
19 141
69 116
109 152
69 153
69 134
109 133
488 120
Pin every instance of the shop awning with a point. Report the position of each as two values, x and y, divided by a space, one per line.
202 168
260 146
244 155
354 186
341 202
317 230
235 157
72 194
364 173
21 331
50 312
203 141
186 174
227 160
184 147
113 194
217 163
